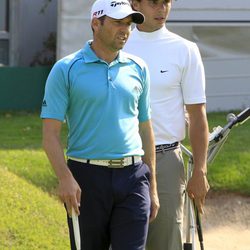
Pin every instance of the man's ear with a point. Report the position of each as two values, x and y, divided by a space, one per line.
135 5
94 23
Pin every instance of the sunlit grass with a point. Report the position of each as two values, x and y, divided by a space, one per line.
31 216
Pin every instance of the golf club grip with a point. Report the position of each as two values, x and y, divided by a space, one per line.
198 223
188 246
76 229
198 226
244 115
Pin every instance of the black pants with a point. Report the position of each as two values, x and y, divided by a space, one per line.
115 206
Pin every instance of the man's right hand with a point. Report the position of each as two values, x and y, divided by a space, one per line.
155 204
69 193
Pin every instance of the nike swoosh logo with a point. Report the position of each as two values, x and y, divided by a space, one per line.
164 71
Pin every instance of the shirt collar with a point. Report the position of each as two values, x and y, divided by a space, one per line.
90 56
122 58
155 35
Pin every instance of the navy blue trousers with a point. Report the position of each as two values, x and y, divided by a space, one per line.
115 206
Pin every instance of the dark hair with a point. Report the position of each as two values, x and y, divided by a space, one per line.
102 18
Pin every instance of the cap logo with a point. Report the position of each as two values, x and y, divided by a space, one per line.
114 3
97 13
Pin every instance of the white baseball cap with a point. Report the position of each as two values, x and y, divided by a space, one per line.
117 9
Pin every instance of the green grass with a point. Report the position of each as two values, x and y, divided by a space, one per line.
30 215
29 218
231 168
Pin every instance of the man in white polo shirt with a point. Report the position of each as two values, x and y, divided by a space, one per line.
177 81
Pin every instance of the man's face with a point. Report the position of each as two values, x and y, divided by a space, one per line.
113 33
155 11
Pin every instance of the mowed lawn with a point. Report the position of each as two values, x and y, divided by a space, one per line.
31 217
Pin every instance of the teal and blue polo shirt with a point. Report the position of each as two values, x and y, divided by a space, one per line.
102 103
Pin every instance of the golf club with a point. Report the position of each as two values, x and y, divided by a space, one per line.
76 229
216 141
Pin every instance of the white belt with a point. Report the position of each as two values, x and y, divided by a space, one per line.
115 163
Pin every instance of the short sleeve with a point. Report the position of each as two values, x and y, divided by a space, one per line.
193 78
56 96
144 101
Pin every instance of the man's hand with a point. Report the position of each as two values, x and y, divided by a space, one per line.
68 189
198 186
69 193
155 205
148 145
197 189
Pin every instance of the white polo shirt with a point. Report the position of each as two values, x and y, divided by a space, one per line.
177 78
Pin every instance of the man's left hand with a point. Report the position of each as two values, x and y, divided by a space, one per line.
155 205
197 189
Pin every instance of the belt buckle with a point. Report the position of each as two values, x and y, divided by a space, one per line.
116 163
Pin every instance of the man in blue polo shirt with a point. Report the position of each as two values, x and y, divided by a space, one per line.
103 93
